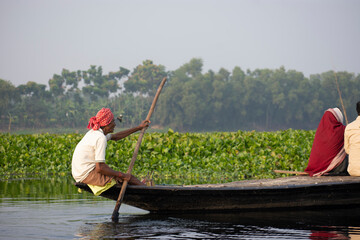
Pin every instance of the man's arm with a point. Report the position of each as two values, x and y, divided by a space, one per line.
123 134
104 169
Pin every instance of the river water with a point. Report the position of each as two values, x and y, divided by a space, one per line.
52 208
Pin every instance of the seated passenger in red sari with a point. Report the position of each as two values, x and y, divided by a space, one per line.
328 156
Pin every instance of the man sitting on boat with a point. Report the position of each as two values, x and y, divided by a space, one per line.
352 144
88 161
328 156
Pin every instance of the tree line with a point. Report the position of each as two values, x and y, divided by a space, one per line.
191 100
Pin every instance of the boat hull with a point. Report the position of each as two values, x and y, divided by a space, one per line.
222 198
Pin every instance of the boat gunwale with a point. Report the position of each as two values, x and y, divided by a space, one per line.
224 187
247 185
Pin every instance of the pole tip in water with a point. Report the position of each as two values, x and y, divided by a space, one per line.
115 217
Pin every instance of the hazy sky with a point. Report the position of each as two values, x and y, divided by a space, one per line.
41 37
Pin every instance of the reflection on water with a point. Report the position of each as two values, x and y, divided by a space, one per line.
53 209
199 227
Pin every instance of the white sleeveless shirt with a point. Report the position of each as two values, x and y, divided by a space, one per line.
90 150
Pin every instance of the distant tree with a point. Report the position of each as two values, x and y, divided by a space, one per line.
113 79
193 68
184 101
8 98
255 98
33 110
262 99
220 99
349 87
33 89
56 85
145 78
236 93
99 85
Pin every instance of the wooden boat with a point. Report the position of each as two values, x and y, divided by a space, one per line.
296 192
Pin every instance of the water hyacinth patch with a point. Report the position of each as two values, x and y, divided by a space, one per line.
171 157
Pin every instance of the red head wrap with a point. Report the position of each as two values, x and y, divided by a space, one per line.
102 118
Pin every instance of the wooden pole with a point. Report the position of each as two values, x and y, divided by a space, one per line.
115 215
291 172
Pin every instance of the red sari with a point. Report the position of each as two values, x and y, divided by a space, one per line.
328 147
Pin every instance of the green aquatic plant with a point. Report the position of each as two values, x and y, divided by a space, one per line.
171 157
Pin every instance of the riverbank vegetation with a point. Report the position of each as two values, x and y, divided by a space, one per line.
191 101
172 157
